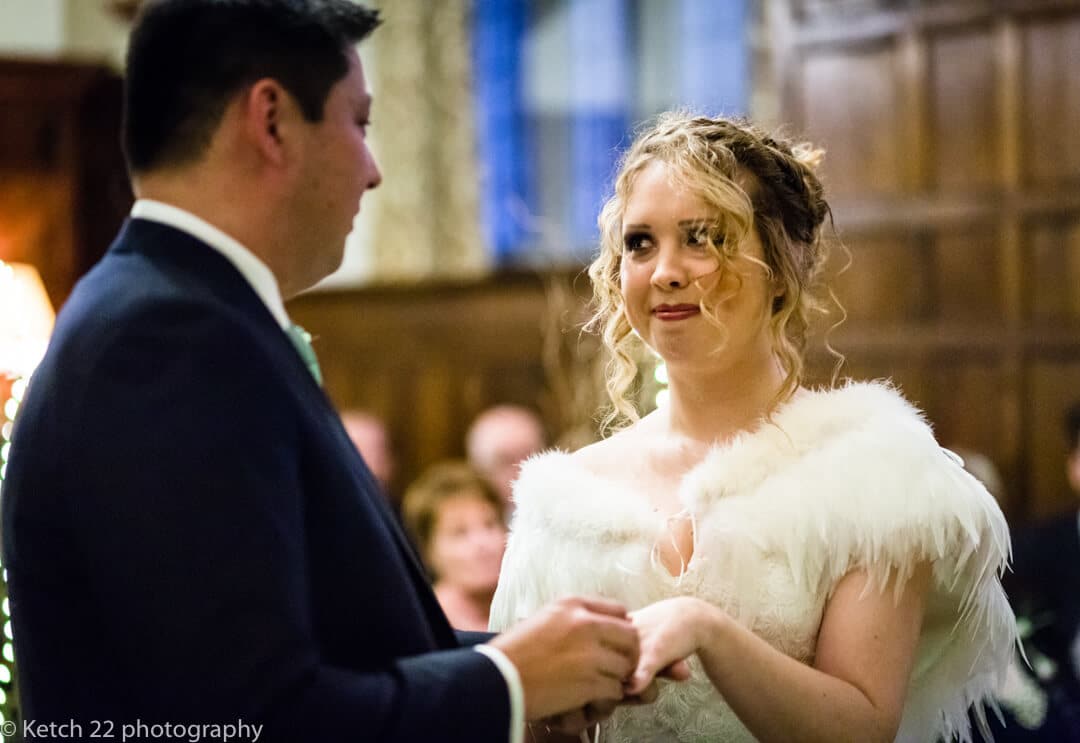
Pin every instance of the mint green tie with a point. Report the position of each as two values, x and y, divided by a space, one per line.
302 340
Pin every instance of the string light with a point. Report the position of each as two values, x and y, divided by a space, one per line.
660 376
7 664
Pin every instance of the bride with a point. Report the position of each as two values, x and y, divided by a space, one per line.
830 571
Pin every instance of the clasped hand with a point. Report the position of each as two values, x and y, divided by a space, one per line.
611 658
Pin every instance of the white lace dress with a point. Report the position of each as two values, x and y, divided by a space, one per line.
843 479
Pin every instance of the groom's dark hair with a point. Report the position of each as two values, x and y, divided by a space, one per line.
188 58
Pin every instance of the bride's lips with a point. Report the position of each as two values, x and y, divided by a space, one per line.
671 312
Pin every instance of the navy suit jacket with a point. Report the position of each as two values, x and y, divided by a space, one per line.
190 537
1044 584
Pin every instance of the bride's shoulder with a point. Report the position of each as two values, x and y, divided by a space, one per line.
596 466
609 456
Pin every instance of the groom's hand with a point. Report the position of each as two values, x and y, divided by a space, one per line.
573 652
573 722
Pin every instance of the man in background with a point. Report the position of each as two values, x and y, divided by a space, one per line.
372 439
499 440
1044 587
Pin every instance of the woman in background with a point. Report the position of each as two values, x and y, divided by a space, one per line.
831 570
457 521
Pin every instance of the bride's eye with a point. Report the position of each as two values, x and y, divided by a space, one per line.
700 236
636 242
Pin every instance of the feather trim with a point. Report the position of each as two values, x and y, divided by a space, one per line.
838 480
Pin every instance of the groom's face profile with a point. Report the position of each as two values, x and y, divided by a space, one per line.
337 169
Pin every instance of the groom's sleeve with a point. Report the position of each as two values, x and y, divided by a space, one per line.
510 673
469 638
513 684
192 529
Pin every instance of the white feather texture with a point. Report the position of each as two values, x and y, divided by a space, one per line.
840 479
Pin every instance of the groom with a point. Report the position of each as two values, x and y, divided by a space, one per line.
189 535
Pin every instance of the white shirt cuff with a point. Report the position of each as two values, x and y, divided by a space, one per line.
513 684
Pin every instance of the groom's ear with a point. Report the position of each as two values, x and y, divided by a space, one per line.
268 116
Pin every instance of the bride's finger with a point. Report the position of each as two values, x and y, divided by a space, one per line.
647 695
677 671
652 663
640 681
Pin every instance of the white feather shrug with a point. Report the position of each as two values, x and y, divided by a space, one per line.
841 479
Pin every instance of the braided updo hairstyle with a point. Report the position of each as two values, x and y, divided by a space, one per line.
751 179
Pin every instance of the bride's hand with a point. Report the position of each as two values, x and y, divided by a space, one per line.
670 631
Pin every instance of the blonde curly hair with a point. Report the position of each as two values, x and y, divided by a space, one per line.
756 181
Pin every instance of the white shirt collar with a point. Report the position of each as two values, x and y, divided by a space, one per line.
254 271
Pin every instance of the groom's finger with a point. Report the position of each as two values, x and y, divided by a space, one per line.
620 636
603 606
614 665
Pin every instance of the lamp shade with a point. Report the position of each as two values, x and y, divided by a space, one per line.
26 319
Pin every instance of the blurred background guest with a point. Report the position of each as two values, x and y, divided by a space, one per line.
1031 704
499 440
1044 586
371 437
458 523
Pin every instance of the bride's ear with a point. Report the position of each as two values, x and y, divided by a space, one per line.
779 296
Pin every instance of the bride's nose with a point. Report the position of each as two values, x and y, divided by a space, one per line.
670 271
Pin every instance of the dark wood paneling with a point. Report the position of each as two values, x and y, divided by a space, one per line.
954 166
63 188
886 297
849 100
963 132
1052 256
1051 60
966 276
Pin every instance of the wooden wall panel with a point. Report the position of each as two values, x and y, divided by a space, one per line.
1051 101
63 188
963 131
848 101
1053 260
875 298
965 281
966 276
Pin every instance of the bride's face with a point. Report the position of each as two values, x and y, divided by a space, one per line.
467 543
667 268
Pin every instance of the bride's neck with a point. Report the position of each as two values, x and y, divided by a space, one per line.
709 406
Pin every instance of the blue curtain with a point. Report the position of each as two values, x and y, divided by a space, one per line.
714 56
502 132
710 52
601 81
